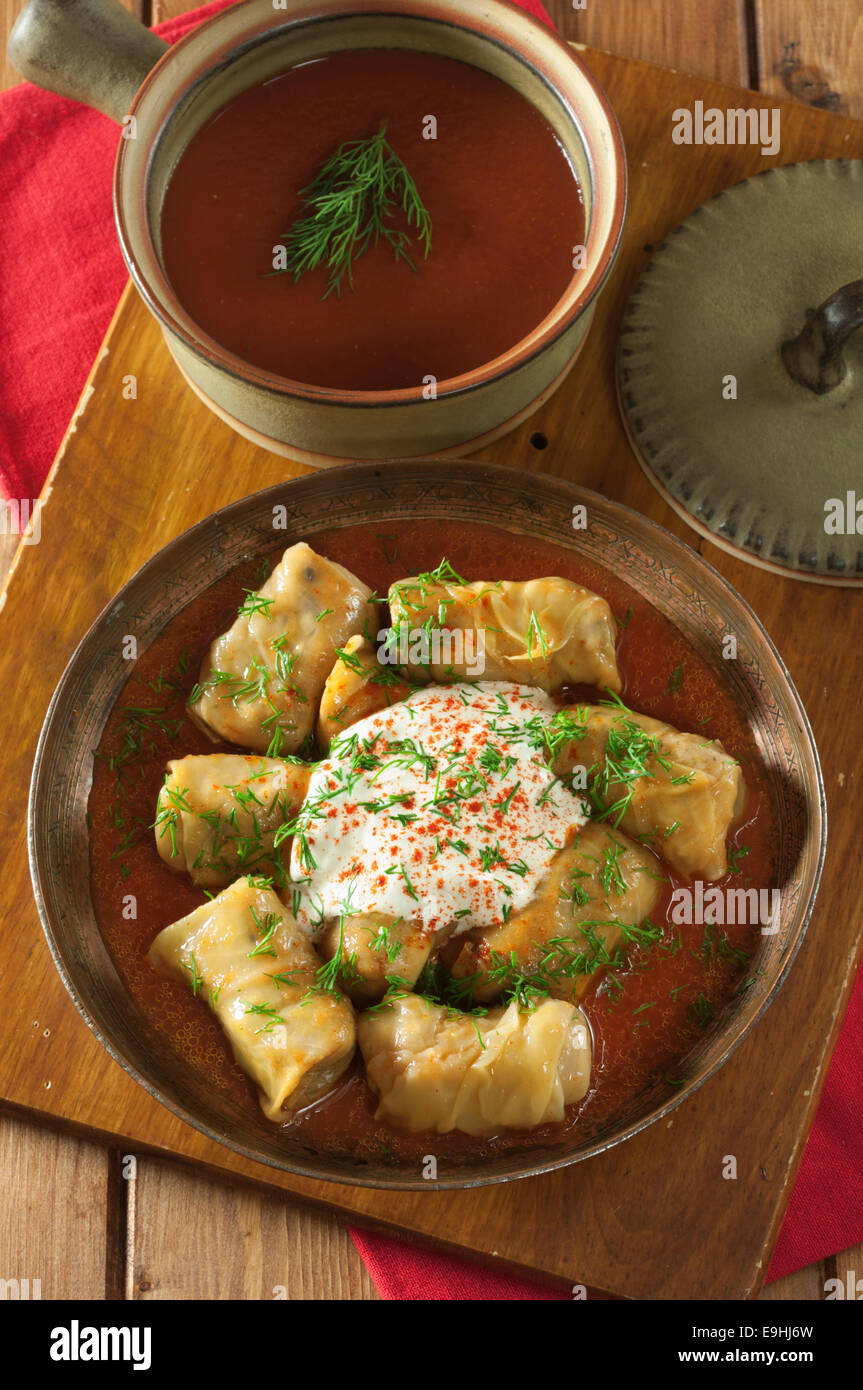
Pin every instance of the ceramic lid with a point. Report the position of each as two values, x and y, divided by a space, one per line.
744 405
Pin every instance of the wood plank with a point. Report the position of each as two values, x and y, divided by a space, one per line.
806 1286
8 546
278 1249
708 38
635 1220
812 1283
169 9
847 1267
9 12
813 53
55 1192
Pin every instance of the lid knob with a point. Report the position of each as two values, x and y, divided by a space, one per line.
814 358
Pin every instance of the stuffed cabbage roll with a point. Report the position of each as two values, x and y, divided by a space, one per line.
680 792
244 954
376 949
217 816
435 1069
596 889
357 686
261 681
545 632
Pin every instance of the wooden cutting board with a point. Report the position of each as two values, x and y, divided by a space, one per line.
653 1218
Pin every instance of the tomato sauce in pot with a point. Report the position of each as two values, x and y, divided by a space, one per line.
506 210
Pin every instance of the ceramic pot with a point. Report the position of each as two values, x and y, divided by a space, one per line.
96 52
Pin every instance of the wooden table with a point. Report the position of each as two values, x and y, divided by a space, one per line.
73 1216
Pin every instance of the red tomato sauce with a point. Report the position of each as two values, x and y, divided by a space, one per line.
505 205
668 993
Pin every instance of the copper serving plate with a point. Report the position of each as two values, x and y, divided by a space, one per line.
675 580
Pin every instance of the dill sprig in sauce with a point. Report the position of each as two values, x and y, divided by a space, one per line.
352 205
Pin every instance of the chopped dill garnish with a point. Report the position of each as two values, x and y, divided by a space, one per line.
350 206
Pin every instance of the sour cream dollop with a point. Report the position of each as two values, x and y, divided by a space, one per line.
439 809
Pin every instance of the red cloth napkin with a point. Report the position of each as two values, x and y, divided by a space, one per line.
61 275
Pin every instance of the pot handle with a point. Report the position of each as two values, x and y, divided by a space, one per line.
91 50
